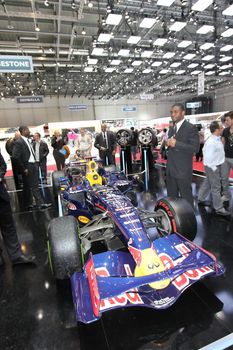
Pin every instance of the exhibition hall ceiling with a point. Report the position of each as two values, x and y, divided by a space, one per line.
113 49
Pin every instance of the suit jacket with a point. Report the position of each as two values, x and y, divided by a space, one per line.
179 158
43 150
100 142
3 192
21 154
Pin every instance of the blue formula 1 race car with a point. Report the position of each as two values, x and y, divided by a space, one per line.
123 256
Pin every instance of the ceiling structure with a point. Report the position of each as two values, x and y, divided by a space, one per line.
117 48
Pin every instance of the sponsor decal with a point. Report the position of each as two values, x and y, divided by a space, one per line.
83 219
95 298
169 213
131 221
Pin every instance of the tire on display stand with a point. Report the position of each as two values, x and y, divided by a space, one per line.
124 137
146 136
133 198
177 215
64 248
56 175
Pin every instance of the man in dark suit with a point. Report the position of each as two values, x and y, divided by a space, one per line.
9 148
183 142
105 141
41 151
24 154
7 224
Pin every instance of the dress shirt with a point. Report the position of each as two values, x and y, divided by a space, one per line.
178 125
37 151
105 138
32 154
213 152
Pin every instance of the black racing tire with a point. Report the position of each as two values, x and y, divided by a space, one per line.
177 216
146 136
56 175
64 247
124 137
132 197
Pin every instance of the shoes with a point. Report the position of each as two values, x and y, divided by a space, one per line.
226 204
45 206
31 207
204 203
22 259
223 212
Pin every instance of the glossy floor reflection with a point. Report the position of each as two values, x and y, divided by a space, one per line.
37 314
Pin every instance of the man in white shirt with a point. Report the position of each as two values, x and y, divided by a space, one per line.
213 159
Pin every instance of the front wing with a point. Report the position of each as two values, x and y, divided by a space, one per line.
107 281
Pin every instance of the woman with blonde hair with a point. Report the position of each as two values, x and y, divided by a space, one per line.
59 151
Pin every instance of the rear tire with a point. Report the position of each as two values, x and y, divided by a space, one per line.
56 175
177 215
64 247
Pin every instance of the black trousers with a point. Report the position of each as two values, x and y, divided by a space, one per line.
108 158
16 174
59 159
43 167
8 230
31 186
179 188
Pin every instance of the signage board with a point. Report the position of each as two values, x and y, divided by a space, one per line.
196 104
29 99
16 64
147 96
129 109
75 107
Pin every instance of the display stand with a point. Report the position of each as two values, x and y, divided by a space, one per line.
145 166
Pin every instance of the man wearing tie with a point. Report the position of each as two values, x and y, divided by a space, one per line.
105 141
182 143
24 155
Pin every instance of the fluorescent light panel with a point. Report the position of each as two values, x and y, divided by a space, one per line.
211 72
164 71
181 71
115 62
205 29
206 46
175 64
169 55
88 69
136 63
97 51
156 64
160 42
207 57
226 48
165 2
195 72
147 22
177 26
113 19
228 11
133 39
104 38
123 52
109 70
225 66
193 65
209 66
146 71
128 70
189 56
224 73
225 59
92 61
201 5
184 43
147 54
227 33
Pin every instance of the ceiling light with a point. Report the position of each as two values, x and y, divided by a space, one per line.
147 22
109 10
115 62
109 70
209 66
83 32
133 39
177 26
113 19
92 60
180 71
201 5
88 69
225 66
226 48
136 63
205 29
228 11
128 70
195 72
123 52
224 73
156 64
164 71
184 43
225 58
146 71
208 57
165 2
73 6
206 46
46 3
104 37
147 54
169 55
90 4
189 56
175 64
211 72
193 65
37 29
227 33
160 42
97 51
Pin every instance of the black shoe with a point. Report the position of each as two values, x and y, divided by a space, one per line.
204 203
22 259
31 207
45 206
223 212
226 204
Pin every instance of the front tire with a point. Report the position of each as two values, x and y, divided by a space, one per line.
56 175
64 247
177 215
